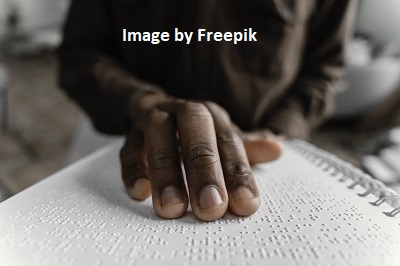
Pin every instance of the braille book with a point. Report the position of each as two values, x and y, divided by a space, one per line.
315 210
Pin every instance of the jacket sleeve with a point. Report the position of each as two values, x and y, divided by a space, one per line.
89 72
311 97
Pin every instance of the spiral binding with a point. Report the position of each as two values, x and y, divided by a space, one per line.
336 167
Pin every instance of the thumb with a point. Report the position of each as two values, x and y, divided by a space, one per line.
262 146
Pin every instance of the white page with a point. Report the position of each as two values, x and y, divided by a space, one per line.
83 216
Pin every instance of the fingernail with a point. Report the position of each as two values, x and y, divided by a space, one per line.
242 193
141 189
140 184
209 198
171 195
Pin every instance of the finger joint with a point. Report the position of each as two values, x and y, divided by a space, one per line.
194 108
237 169
162 158
202 155
156 118
228 138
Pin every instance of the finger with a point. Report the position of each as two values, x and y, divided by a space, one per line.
167 185
134 168
203 169
244 198
262 146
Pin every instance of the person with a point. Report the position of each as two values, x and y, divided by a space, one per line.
219 106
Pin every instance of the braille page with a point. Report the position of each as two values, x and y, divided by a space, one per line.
83 216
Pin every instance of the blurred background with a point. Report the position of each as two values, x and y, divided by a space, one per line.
42 131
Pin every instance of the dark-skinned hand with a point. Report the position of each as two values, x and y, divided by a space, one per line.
215 153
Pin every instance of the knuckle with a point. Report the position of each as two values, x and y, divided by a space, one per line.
202 155
214 107
237 170
211 105
155 117
162 158
224 115
194 108
240 168
218 110
228 138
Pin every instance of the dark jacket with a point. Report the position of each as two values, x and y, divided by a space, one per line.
284 82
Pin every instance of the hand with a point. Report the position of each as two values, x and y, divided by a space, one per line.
215 153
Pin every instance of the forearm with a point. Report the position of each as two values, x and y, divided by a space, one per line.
90 72
303 110
101 87
310 98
